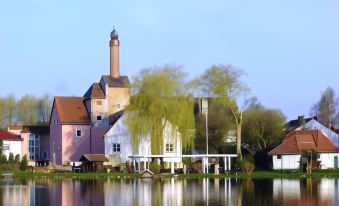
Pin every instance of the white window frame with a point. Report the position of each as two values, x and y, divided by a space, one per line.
169 147
116 147
76 133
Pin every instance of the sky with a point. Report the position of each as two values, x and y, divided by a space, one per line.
289 49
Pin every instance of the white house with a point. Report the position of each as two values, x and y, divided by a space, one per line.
287 155
118 144
11 143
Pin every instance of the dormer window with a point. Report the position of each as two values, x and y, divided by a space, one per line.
56 121
78 133
169 148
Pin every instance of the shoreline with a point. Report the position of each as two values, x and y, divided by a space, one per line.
241 175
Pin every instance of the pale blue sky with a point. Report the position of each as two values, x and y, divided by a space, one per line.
289 49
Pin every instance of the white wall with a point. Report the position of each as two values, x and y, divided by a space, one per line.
292 161
327 160
14 147
119 134
286 162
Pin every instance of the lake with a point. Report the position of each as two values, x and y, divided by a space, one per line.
170 191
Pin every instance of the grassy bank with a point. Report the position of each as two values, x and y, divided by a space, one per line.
256 174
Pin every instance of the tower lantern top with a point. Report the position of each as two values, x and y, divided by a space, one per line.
114 34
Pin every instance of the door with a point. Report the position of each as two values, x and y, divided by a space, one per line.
336 162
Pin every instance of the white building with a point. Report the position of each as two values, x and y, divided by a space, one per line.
11 143
287 155
118 144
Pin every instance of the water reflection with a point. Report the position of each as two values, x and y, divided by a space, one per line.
174 191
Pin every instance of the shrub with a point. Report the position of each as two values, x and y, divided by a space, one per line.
11 158
247 164
3 159
23 163
17 159
154 167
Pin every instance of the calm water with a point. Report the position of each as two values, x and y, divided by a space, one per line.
49 191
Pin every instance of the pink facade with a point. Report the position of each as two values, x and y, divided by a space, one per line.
66 146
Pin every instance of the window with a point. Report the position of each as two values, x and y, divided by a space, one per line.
5 147
116 148
34 147
78 133
56 121
118 106
99 102
279 157
169 148
99 117
45 155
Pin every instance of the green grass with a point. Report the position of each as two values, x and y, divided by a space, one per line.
256 174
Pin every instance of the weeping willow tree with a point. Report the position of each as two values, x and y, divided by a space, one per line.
160 102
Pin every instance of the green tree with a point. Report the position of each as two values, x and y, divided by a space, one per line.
44 107
23 163
327 108
17 158
262 126
158 99
224 82
8 110
27 112
11 158
219 125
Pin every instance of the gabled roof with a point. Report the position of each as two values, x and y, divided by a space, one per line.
9 136
121 81
95 92
93 158
71 110
113 118
298 141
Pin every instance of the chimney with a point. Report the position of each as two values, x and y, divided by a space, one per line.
301 120
114 54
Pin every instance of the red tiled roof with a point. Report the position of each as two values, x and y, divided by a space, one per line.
95 91
9 136
72 110
298 141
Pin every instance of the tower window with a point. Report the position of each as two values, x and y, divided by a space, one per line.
99 102
99 117
118 106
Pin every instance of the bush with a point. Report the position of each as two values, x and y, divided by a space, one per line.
11 158
12 167
154 167
17 159
23 163
3 159
247 164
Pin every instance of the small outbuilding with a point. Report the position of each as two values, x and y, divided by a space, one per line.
288 155
93 162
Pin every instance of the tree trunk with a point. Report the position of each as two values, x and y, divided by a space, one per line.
238 124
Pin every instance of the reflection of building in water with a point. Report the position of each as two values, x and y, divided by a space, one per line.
169 191
286 188
306 191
